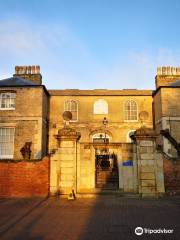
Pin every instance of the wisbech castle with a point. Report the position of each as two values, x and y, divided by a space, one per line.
89 142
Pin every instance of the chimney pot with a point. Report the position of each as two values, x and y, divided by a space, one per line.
178 70
20 70
168 70
38 69
16 69
33 69
159 71
173 71
29 69
24 69
164 70
31 73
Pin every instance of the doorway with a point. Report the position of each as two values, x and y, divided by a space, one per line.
106 170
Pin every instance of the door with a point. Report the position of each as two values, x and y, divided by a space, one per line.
106 171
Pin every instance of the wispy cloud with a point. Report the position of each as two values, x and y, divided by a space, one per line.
67 62
138 69
63 57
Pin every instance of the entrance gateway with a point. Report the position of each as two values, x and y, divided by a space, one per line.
83 167
106 168
106 171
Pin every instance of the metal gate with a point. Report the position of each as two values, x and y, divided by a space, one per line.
106 171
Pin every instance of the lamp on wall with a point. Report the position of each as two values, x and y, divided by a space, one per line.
105 123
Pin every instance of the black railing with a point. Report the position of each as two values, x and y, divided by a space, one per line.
165 133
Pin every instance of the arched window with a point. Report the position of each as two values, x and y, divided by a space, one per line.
130 111
100 138
101 107
72 106
128 139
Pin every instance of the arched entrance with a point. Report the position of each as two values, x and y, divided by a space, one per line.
106 176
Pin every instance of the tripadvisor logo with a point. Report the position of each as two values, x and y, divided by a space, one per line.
139 231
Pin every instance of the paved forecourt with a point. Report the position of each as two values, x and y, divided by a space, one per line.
104 217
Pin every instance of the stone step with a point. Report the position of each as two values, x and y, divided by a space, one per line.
97 193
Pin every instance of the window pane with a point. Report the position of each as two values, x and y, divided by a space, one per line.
72 106
6 142
7 100
130 110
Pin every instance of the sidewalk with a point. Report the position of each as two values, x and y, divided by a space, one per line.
106 218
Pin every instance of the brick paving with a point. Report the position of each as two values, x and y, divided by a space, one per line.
106 217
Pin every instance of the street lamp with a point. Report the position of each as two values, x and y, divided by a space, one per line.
105 122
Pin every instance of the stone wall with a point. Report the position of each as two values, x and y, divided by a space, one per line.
127 168
172 176
86 168
25 131
29 120
24 179
167 116
88 122
149 163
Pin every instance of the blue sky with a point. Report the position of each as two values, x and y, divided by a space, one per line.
93 44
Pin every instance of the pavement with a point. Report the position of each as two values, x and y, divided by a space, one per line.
101 218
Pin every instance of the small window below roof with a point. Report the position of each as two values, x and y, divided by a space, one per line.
7 101
101 107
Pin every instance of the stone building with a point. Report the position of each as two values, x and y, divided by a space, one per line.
97 140
23 114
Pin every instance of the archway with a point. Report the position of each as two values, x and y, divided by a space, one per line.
106 176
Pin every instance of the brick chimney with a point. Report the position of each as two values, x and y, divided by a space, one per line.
167 75
31 73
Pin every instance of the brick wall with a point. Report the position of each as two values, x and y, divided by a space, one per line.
172 177
24 179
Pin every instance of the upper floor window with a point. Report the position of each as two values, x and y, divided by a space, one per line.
101 107
6 142
72 106
7 101
130 111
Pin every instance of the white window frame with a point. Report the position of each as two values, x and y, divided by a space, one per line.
125 111
70 109
101 135
97 104
128 139
11 100
7 156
